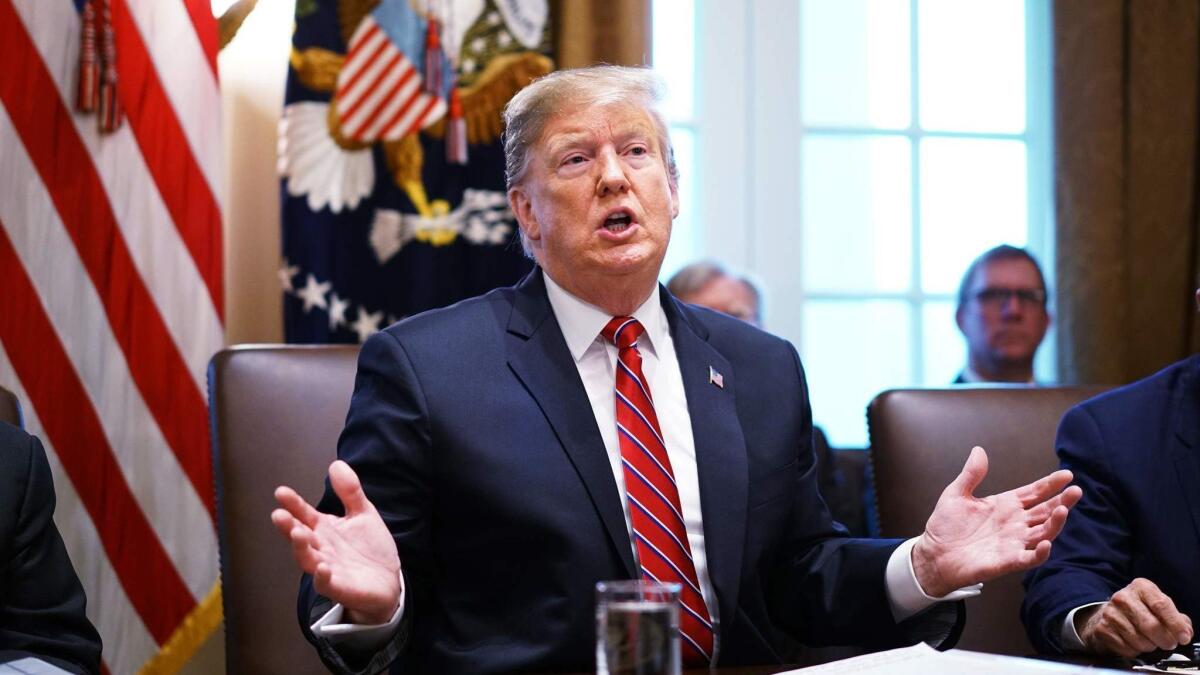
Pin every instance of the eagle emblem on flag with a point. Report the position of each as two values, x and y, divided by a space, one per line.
390 157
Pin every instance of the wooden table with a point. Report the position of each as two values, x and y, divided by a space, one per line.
1096 661
732 670
744 670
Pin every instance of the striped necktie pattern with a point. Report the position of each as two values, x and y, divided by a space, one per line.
659 534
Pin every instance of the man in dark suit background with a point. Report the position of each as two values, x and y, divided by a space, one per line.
1122 579
1002 315
708 284
41 600
484 485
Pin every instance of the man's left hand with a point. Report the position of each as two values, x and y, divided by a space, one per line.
969 540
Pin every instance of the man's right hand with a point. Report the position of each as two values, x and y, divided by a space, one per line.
352 559
1138 619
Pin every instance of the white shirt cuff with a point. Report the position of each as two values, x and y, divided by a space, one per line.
358 636
904 592
1069 637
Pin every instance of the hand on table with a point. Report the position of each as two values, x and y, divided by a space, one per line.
969 540
1138 619
352 559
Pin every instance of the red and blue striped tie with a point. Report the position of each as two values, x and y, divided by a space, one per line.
658 530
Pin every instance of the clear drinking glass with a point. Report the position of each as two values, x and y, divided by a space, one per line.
637 628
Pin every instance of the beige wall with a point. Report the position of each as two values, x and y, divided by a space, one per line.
253 71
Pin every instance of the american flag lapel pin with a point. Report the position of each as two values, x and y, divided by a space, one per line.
716 378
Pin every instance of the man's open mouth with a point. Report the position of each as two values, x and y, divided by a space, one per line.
618 222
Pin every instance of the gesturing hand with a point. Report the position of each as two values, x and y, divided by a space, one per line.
1138 619
352 559
969 539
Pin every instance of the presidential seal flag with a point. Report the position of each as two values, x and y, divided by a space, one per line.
111 270
392 170
379 94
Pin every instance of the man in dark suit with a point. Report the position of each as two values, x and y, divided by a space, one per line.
41 600
503 455
1002 315
1122 579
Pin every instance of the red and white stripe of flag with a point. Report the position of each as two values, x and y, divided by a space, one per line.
111 261
379 93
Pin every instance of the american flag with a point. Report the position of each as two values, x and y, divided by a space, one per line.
380 94
111 306
716 378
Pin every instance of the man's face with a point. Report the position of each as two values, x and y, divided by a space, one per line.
728 296
596 202
1001 321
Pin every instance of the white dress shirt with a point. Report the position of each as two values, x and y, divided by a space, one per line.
1069 637
596 359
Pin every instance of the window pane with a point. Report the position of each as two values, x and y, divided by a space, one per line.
852 351
973 196
944 351
856 213
971 55
687 235
855 63
675 55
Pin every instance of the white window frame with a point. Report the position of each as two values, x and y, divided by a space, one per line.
748 153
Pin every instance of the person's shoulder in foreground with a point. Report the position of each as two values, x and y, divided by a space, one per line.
1132 402
1133 538
41 600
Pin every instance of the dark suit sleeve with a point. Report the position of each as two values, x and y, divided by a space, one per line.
41 600
829 588
387 442
1091 558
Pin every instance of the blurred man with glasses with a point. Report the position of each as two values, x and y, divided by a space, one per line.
1002 314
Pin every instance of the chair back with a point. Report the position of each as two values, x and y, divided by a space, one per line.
276 412
920 439
10 408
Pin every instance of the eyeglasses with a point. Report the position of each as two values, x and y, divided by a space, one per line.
995 298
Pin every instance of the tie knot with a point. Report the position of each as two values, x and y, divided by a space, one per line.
623 331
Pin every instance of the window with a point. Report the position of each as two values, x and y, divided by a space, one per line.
855 155
674 58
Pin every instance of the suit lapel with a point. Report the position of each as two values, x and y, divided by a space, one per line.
720 451
1184 419
538 355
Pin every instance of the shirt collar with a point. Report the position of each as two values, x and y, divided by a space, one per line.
972 377
581 321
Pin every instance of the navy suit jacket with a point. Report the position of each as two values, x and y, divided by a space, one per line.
41 600
473 436
1135 451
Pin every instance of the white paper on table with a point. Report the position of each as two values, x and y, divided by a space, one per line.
30 666
1173 657
921 659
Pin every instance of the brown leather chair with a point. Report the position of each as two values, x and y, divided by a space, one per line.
920 439
276 412
10 408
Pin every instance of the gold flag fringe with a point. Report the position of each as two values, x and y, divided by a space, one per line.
188 637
